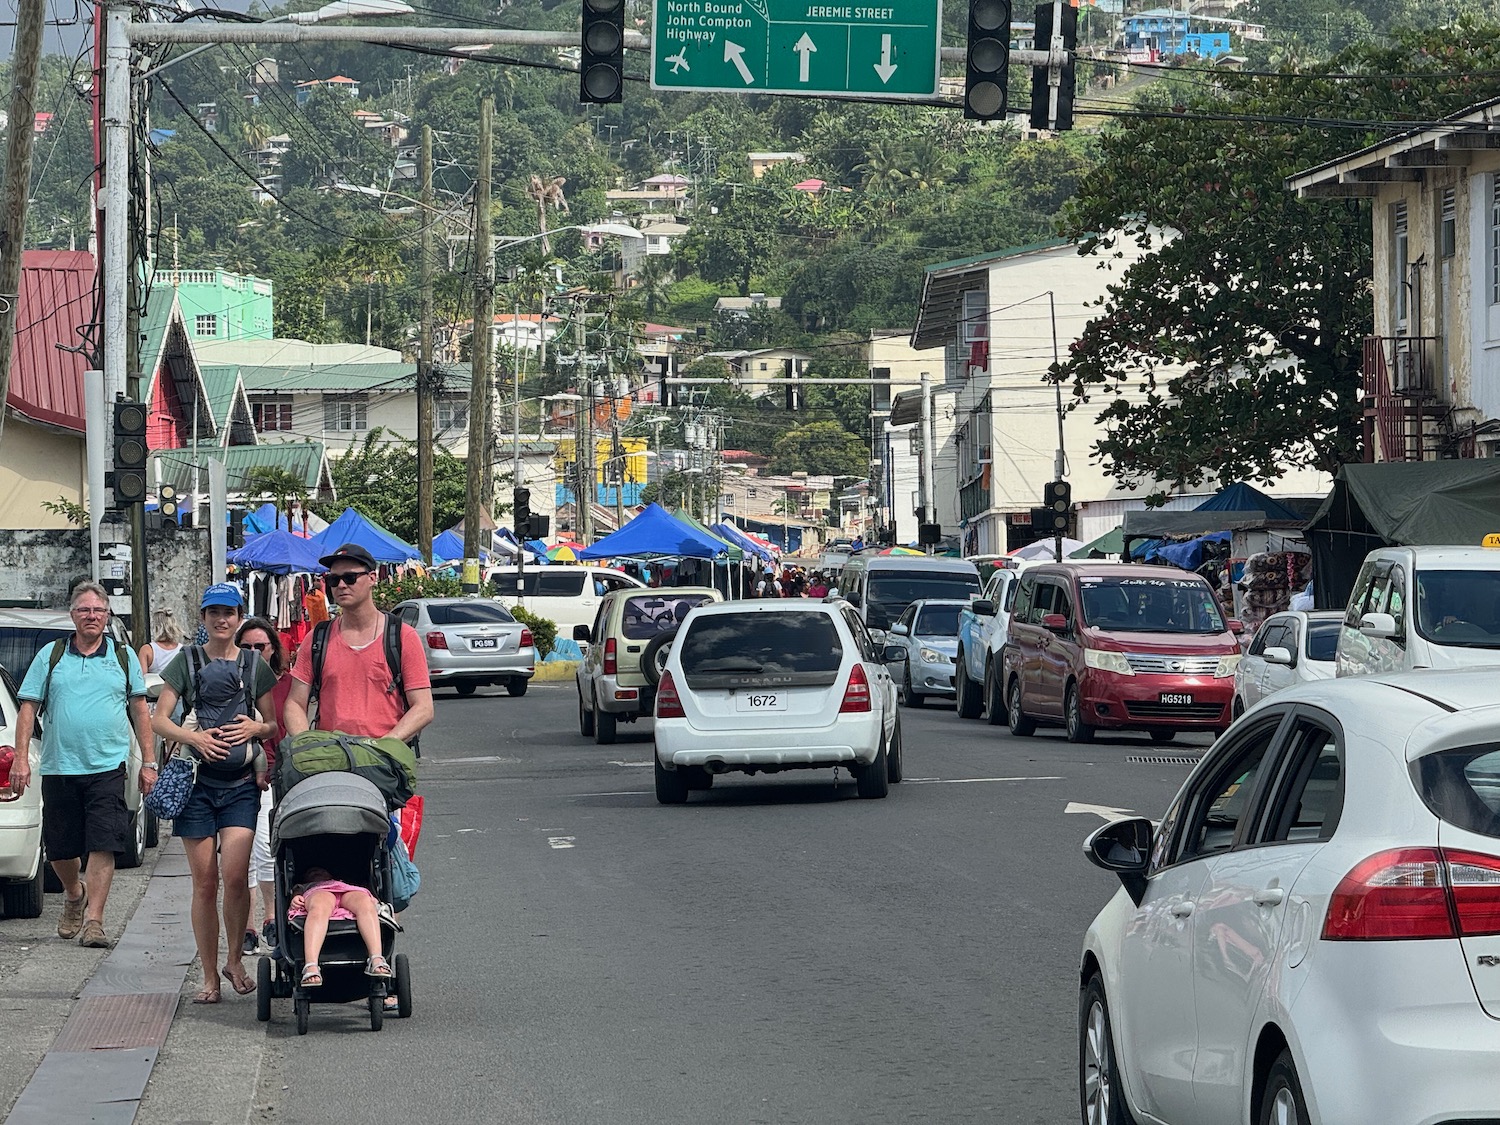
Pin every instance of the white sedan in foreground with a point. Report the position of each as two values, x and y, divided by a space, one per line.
1311 936
762 687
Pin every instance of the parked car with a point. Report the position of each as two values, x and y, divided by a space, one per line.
762 687
628 645
927 635
567 595
24 633
1288 648
1118 645
471 642
1422 607
23 866
982 631
1311 935
880 587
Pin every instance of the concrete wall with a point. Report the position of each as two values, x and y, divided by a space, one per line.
41 566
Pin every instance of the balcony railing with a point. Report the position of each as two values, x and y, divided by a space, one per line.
974 498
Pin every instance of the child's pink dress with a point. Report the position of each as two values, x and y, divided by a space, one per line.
339 889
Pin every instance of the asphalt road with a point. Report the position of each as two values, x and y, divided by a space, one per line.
775 951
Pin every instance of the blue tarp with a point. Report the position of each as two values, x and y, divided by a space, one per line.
267 516
655 533
727 530
449 546
1189 555
351 527
279 552
1241 497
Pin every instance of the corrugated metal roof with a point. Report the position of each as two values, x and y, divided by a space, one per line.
393 378
221 385
307 459
56 301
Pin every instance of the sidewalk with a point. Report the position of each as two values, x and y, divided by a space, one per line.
97 1068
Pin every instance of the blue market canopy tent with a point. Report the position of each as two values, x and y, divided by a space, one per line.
731 534
278 552
351 527
655 534
449 546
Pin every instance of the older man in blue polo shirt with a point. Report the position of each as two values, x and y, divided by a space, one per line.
91 699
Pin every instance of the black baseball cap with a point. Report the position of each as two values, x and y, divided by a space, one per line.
350 552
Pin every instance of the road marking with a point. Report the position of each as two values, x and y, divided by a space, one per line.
557 843
615 793
614 763
482 759
1108 812
970 780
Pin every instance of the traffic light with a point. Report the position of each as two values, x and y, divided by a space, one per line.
236 528
520 500
987 64
793 391
130 453
166 503
538 527
1057 497
1041 91
601 68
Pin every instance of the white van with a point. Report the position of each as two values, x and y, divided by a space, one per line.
565 594
1422 607
880 587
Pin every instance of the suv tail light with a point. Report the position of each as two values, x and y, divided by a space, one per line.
437 639
857 693
527 640
611 665
1410 893
668 702
7 759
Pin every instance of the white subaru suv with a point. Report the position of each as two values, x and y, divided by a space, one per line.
762 687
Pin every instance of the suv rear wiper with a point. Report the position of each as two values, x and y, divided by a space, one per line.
727 666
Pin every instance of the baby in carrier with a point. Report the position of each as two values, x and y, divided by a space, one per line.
221 694
319 898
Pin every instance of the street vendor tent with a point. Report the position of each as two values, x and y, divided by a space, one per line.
731 534
653 534
351 527
304 524
1398 503
449 546
278 552
1242 497
732 551
1110 543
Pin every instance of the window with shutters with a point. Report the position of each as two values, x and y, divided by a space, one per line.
271 414
343 414
452 413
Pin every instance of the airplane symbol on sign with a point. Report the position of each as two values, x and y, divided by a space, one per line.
679 61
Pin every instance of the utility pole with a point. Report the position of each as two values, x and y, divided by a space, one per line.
479 340
425 482
585 428
31 16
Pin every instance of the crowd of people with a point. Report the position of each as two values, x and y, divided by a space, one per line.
794 582
226 700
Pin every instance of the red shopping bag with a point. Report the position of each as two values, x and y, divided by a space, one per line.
411 824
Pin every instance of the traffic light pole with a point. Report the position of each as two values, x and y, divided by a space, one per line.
1060 461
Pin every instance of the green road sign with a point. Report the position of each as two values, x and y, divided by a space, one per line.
887 47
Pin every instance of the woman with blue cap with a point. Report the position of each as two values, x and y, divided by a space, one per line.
223 685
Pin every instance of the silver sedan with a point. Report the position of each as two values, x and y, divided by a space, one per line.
470 642
928 635
1289 648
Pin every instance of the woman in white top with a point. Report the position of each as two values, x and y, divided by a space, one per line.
168 643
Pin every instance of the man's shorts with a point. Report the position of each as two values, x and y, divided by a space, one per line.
85 812
210 808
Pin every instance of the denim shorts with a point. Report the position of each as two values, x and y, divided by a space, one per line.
210 808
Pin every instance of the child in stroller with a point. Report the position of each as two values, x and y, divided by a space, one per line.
320 899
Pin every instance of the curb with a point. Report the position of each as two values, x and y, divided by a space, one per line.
555 671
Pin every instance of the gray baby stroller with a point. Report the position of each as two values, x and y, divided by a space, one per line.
340 822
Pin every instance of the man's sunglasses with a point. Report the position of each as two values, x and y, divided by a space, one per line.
348 578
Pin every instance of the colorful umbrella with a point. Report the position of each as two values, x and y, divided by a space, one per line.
900 551
561 553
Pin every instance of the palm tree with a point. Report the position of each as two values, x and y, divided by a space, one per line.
374 256
280 486
547 190
654 280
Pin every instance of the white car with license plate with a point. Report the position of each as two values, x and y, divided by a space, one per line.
1311 936
763 687
1289 648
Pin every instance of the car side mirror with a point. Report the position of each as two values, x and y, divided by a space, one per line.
899 630
1054 622
1124 847
1278 655
983 607
1379 626
582 633
894 654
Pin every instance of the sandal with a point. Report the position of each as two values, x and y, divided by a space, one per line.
207 996
392 1004
312 976
378 966
242 983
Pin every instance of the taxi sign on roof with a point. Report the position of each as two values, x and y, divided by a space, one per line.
1492 541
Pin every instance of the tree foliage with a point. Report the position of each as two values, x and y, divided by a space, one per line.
378 479
821 449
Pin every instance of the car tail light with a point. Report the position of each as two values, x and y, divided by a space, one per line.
7 759
1474 881
668 702
1395 895
857 693
611 665
437 639
527 640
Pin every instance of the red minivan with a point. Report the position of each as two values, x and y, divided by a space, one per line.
1120 646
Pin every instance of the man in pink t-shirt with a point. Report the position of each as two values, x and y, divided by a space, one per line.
357 694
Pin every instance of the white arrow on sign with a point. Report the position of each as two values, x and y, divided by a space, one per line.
885 68
734 53
806 48
1107 812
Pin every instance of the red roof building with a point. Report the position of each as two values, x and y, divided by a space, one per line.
56 303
